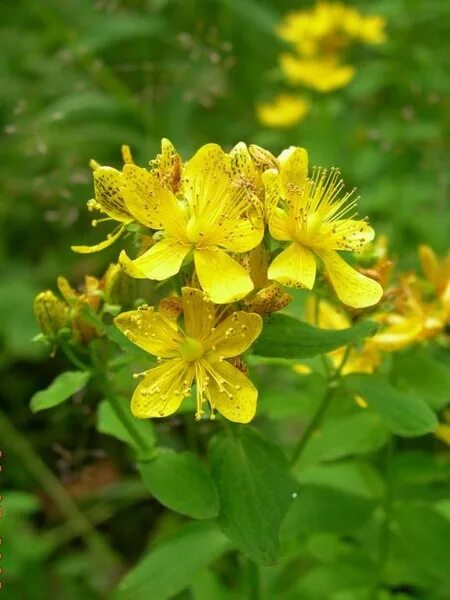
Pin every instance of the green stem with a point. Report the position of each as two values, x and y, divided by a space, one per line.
97 514
73 358
124 417
322 408
385 529
252 580
48 481
313 424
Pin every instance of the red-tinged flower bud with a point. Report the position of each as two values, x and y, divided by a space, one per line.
268 300
171 307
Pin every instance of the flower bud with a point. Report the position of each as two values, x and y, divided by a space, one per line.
50 312
262 157
429 264
171 307
268 300
119 288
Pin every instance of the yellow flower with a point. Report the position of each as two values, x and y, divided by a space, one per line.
109 201
318 220
443 429
212 218
198 351
328 27
438 274
316 30
283 111
328 316
412 320
369 29
323 74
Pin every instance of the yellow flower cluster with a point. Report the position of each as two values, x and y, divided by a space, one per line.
416 310
224 233
319 38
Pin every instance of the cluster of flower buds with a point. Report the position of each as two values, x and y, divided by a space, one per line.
222 236
73 313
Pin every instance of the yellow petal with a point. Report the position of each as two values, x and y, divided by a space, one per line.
150 331
280 225
234 336
242 234
272 185
162 390
328 316
345 234
161 261
107 184
204 175
242 163
294 267
352 288
127 157
112 237
399 335
302 369
231 392
150 202
321 74
222 278
168 165
294 166
442 432
66 290
285 110
198 313
429 264
263 158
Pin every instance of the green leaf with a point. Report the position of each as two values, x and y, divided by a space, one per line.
403 413
61 388
343 436
349 575
261 17
207 586
283 394
109 423
255 490
354 476
112 29
173 565
180 481
417 371
286 337
320 508
424 536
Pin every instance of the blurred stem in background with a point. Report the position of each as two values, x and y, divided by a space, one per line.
107 558
384 539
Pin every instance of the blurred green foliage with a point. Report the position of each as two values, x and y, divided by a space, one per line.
80 78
